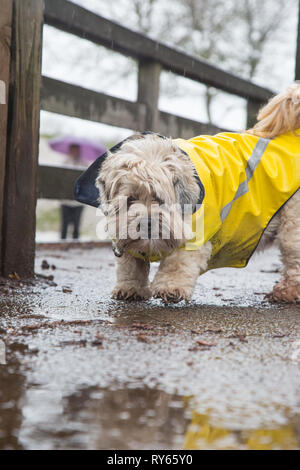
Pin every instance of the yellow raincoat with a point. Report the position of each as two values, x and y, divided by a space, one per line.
246 180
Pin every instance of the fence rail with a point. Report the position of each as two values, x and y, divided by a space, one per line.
74 101
56 182
78 21
29 92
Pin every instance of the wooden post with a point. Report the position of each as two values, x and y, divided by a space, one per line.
297 64
5 38
22 139
252 110
148 92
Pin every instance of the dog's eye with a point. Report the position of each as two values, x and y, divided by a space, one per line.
131 199
160 201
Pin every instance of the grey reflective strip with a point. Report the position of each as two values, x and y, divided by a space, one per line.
243 188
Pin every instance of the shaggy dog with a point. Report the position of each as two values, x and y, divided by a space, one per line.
143 187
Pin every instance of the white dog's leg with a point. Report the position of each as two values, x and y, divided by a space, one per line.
178 273
288 288
132 279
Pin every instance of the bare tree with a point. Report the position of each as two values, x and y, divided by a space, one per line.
233 34
264 22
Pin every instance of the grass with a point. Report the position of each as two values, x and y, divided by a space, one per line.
48 220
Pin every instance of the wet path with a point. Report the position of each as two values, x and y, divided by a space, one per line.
86 372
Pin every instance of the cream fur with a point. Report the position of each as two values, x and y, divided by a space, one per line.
151 169
280 115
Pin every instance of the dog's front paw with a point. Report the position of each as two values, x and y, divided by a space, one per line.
171 294
285 291
129 292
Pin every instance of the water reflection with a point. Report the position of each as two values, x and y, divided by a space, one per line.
138 419
121 418
93 418
201 434
12 384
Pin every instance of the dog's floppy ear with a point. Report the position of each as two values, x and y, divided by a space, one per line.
188 191
183 195
187 194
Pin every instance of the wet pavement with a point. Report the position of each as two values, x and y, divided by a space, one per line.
86 372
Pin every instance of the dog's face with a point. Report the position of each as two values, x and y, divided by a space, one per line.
143 188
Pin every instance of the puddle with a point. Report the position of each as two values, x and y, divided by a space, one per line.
122 418
85 372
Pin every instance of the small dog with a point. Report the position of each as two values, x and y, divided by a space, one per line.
146 183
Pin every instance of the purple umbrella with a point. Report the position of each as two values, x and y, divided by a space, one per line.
89 150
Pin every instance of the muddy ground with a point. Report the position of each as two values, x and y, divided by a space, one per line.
85 372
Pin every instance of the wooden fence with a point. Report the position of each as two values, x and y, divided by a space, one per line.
22 180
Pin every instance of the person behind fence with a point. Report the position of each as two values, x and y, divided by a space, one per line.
71 211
